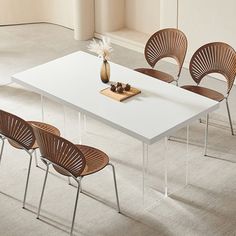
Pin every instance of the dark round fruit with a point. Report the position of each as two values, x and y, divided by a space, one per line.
113 88
127 87
120 89
118 84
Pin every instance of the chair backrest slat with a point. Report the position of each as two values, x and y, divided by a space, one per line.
215 57
16 129
168 42
60 152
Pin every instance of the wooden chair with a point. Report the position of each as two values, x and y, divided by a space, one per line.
68 159
216 57
165 43
19 134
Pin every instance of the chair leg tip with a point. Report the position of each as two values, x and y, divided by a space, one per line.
37 217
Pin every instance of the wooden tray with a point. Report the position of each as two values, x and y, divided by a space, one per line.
120 96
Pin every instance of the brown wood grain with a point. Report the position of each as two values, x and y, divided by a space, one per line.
120 96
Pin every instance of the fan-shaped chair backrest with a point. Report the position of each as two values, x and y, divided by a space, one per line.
16 129
46 126
60 152
166 43
216 57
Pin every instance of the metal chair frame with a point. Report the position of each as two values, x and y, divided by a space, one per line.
29 149
207 124
30 152
215 57
78 180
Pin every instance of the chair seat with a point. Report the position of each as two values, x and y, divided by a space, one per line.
45 126
156 74
206 92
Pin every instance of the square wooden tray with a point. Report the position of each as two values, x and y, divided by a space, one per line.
120 96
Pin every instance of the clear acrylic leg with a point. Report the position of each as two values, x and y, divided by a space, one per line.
42 108
187 157
145 166
80 128
166 166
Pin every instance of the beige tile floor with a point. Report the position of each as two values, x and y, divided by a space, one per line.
207 206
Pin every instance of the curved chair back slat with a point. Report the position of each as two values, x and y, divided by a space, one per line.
60 152
46 126
216 57
16 129
166 43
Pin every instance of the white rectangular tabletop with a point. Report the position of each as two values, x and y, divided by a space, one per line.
74 81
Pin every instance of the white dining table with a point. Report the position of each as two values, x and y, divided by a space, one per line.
156 113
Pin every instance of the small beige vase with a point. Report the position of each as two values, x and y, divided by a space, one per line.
105 71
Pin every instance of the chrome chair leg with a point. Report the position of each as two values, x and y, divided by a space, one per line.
177 81
115 184
230 121
41 197
2 147
27 180
206 134
35 158
75 208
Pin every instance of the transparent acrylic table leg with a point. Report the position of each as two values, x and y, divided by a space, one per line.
166 167
144 169
42 108
64 121
80 128
206 134
85 123
186 180
166 153
187 157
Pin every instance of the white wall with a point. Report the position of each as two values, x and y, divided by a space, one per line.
20 11
74 14
58 12
168 13
31 11
84 24
109 15
207 21
137 15
143 16
202 21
